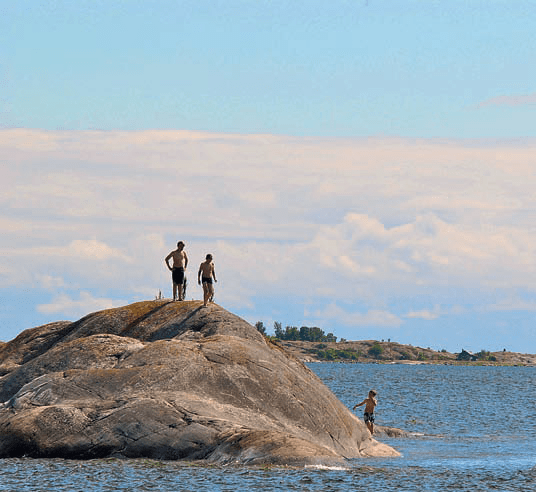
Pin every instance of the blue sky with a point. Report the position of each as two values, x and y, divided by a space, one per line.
365 166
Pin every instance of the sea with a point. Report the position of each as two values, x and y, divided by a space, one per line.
472 428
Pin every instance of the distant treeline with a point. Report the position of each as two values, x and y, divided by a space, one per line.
305 333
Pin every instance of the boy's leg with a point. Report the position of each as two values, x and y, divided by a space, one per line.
174 291
180 282
211 293
206 293
369 422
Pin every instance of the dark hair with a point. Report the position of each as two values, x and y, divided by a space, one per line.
179 244
208 257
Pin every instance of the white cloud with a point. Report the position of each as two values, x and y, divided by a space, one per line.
373 317
366 221
425 314
511 304
92 249
51 282
75 308
349 265
509 100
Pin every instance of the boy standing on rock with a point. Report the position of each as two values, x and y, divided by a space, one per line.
370 404
180 262
205 274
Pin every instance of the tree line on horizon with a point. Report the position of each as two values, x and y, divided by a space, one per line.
293 333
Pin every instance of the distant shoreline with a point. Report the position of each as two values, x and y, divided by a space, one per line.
381 352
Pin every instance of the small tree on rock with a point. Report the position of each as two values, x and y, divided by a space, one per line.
278 330
376 350
260 327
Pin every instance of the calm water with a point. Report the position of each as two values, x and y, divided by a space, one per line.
474 427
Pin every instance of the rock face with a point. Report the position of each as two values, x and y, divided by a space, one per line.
169 380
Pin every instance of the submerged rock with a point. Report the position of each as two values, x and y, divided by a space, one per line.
169 380
381 430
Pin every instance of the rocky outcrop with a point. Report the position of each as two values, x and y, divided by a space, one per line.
169 380
381 430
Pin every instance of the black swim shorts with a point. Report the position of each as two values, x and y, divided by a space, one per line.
178 275
206 280
368 417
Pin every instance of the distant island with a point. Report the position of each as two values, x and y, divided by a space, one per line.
311 344
392 352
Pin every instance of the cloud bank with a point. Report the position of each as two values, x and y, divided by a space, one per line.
510 100
374 233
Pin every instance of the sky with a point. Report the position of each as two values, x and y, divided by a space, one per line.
365 166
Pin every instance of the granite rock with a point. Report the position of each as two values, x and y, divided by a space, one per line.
169 380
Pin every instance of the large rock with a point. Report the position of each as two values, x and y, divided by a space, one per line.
169 380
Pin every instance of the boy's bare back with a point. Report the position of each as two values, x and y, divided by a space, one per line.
370 404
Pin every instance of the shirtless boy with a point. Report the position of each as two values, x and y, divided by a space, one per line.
180 262
370 403
205 274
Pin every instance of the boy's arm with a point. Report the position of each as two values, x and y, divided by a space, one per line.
199 275
167 260
359 404
214 273
185 260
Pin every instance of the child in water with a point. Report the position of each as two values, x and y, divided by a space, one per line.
370 403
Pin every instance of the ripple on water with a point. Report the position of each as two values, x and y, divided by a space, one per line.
145 475
461 442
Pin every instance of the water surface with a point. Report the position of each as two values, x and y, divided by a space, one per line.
474 429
